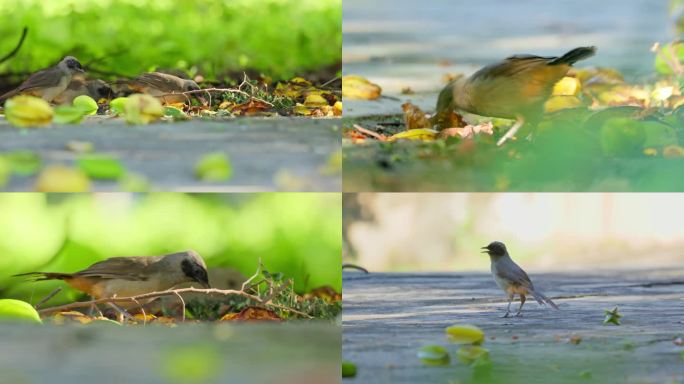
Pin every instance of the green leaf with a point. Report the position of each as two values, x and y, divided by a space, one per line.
612 317
24 163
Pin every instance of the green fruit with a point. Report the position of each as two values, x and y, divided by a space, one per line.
101 167
5 171
214 167
433 355
86 104
17 310
472 354
118 105
142 109
69 115
348 369
622 137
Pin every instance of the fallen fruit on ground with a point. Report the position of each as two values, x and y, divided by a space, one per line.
28 111
433 355
465 334
60 178
17 310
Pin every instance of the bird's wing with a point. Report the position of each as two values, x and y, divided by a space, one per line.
46 78
161 81
511 67
513 273
127 268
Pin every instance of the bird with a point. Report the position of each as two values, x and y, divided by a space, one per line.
511 278
161 85
97 89
133 276
49 82
515 88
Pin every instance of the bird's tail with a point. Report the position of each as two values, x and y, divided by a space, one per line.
40 276
574 56
542 300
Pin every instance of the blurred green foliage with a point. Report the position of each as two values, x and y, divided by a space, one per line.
281 38
296 234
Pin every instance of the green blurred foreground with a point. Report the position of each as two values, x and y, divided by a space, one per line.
296 234
278 37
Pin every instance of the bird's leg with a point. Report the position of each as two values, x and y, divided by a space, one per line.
519 121
120 313
522 302
508 309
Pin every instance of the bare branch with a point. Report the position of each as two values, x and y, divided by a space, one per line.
16 49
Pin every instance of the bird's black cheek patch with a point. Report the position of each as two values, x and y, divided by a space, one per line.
186 266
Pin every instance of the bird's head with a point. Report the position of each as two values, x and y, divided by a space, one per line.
495 249
71 64
189 85
98 89
192 266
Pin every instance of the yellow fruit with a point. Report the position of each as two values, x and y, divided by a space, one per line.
28 111
557 103
433 355
465 334
142 109
471 354
567 86
59 178
357 87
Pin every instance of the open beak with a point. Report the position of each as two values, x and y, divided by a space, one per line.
486 250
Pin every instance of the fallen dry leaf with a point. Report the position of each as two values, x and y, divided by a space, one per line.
414 117
469 131
252 314
326 293
415 134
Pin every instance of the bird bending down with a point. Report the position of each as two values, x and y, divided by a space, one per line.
132 276
511 278
515 88
160 85
49 82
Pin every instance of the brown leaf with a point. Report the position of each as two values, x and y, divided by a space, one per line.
469 131
326 293
251 107
252 314
414 118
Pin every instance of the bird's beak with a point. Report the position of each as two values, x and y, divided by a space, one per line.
486 250
80 70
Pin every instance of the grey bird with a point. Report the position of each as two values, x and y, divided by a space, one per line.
168 88
49 82
511 278
132 276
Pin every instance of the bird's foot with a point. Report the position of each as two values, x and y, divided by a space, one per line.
506 315
519 314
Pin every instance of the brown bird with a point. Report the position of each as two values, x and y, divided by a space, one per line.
50 82
97 89
515 88
511 278
160 85
132 276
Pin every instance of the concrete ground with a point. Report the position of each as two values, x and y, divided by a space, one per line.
266 153
388 316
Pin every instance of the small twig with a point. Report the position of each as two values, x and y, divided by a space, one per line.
16 49
370 133
330 81
231 90
182 306
256 274
352 266
48 297
142 309
211 291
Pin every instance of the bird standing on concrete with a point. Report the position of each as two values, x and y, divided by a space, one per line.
511 278
96 89
515 88
48 83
